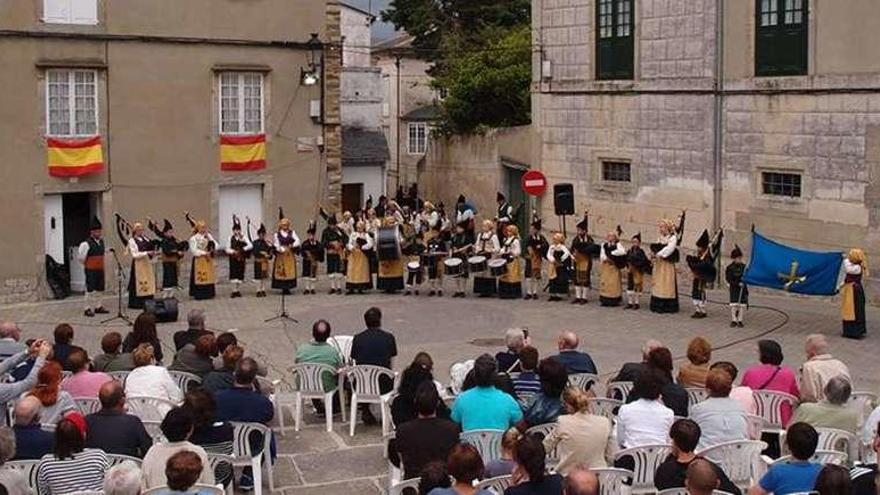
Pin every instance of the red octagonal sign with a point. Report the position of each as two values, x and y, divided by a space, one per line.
534 183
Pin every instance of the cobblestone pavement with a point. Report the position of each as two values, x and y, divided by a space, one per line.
314 461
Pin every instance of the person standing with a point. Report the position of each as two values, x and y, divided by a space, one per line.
639 267
536 251
238 250
487 246
172 252
852 306
358 271
504 214
312 255
435 252
262 250
390 278
462 246
464 214
286 244
739 291
414 251
583 248
202 276
664 286
334 242
141 280
612 260
702 266
559 257
510 284
91 255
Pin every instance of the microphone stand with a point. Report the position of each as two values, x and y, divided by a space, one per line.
282 315
120 282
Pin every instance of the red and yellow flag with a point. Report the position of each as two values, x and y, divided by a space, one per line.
243 152
74 157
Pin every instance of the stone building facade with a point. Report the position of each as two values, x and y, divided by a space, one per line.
707 119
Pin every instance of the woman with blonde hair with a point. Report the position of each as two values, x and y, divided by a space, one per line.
486 246
693 373
580 437
665 254
559 257
202 277
510 284
149 380
358 276
504 465
852 294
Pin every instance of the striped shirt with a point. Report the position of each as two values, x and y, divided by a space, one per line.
84 472
526 386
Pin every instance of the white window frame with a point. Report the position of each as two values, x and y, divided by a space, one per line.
239 85
70 19
71 102
414 148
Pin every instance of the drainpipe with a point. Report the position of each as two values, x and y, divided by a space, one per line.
717 187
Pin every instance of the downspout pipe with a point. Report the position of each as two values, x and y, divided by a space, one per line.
718 124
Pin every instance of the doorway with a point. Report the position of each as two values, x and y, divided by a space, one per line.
67 218
244 201
513 174
352 197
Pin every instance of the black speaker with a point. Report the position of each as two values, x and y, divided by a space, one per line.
165 310
563 199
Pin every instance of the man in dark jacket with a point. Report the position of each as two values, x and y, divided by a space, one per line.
574 360
196 328
685 435
31 441
114 431
426 438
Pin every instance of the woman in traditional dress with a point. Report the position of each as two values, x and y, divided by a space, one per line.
853 294
612 260
557 273
286 244
510 284
358 271
664 289
390 279
142 280
202 275
486 245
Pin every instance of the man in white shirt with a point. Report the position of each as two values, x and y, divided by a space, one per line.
645 421
177 427
721 418
819 368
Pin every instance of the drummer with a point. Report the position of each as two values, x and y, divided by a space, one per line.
414 268
390 279
462 247
485 247
510 284
436 252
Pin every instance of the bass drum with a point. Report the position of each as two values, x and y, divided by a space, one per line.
387 245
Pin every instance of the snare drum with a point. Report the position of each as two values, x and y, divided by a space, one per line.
453 266
477 264
414 267
498 267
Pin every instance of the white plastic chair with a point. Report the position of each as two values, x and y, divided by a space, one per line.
621 388
269 388
457 374
754 425
819 457
148 408
552 457
198 487
604 407
87 405
646 458
28 468
613 481
365 389
154 429
696 395
839 440
739 459
116 459
342 344
496 485
487 442
184 380
119 376
308 378
862 403
400 486
215 460
769 408
244 456
582 381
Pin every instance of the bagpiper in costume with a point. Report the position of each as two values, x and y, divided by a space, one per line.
238 250
852 295
739 291
664 284
639 267
413 251
510 284
358 275
464 213
202 276
583 248
557 272
262 250
612 261
286 244
536 252
172 252
462 246
434 260
91 255
487 245
334 241
142 279
702 267
504 215
312 255
390 278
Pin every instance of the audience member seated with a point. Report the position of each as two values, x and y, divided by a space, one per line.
433 475
674 396
702 478
212 435
530 474
771 375
318 351
375 347
220 379
10 335
527 385
580 481
196 358
833 480
195 328
504 465
225 340
830 412
144 332
32 441
574 360
744 395
63 337
83 383
71 468
182 472
114 431
672 473
12 480
148 379
693 373
645 421
12 391
418 372
123 479
629 372
56 403
581 438
864 477
465 466
721 418
112 359
177 428
798 474
515 339
426 438
547 405
484 407
820 367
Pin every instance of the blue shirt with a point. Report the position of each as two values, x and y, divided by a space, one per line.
485 408
791 477
576 361
243 404
31 442
527 384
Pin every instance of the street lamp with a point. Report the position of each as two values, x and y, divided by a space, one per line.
311 75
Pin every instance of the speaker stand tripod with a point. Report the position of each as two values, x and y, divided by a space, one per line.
120 283
282 315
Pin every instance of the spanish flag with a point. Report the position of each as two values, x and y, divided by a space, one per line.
243 152
74 157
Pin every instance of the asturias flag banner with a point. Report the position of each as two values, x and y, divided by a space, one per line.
790 269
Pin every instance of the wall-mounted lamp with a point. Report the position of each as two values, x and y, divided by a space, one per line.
309 76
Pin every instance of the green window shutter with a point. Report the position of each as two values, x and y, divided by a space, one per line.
781 37
614 39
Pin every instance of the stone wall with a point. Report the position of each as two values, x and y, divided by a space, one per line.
18 290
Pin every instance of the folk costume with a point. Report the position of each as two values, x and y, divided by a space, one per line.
434 260
334 241
312 255
638 269
238 250
739 291
558 269
262 250
91 255
852 295
462 246
702 266
510 284
413 251
583 248
464 214
612 261
664 284
429 222
486 245
286 244
536 251
202 275
141 279
172 252
390 278
358 275
503 215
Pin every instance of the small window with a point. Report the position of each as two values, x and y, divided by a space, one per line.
616 172
614 39
71 102
781 37
417 143
241 103
70 11
781 184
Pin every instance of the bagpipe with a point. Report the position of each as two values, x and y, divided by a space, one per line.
211 246
619 261
179 246
259 253
703 265
125 230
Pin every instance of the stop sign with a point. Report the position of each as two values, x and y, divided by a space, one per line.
534 183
